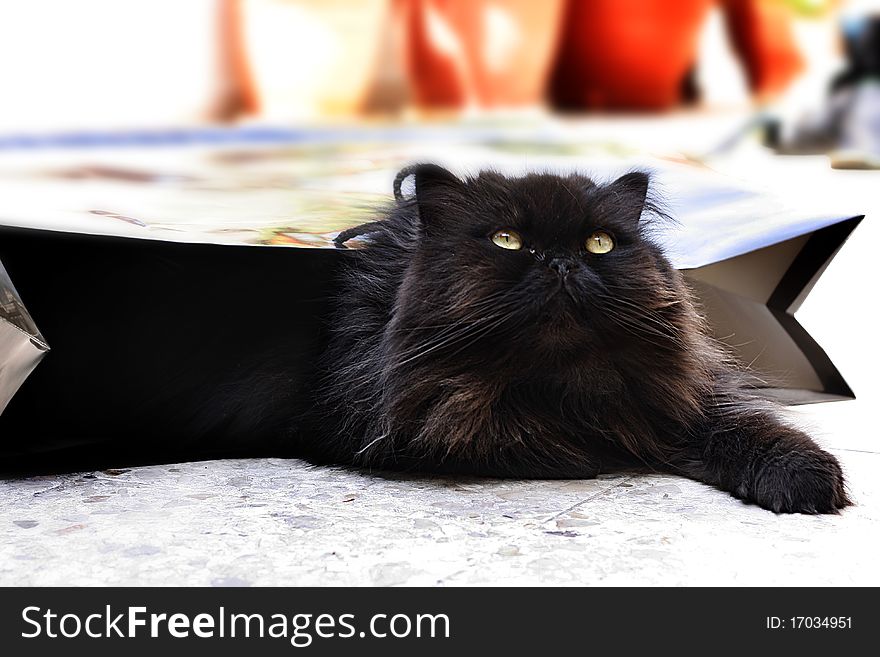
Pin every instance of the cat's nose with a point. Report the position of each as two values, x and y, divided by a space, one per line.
561 265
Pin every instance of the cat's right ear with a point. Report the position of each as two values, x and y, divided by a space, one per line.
433 186
629 193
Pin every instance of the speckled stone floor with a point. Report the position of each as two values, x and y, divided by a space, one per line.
280 522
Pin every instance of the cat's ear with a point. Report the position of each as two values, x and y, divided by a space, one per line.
433 186
629 193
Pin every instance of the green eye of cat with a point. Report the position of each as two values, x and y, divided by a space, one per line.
600 242
507 239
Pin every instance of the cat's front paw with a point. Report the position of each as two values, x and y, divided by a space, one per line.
799 481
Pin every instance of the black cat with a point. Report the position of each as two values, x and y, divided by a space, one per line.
530 327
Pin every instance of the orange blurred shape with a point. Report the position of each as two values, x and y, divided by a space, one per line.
761 32
627 54
487 53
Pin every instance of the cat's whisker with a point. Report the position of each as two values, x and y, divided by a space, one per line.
476 308
452 340
658 326
639 331
438 341
484 332
477 316
371 443
641 310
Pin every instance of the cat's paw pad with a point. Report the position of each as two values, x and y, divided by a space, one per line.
800 482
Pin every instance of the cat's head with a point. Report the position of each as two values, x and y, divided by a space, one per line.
541 266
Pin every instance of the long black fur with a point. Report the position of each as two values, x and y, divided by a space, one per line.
450 354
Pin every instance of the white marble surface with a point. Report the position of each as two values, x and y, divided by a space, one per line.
280 522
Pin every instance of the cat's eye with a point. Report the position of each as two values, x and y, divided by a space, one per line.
507 239
600 242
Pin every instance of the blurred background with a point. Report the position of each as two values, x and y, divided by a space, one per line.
108 64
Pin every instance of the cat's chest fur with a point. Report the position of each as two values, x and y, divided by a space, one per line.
568 420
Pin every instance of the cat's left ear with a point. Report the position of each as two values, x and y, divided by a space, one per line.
434 184
629 193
